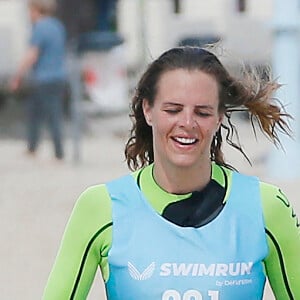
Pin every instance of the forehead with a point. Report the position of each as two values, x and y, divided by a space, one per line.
181 83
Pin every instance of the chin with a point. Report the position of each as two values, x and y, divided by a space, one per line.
185 163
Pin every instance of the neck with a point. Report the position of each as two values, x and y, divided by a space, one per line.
180 180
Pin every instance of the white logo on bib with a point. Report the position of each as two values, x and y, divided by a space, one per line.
146 274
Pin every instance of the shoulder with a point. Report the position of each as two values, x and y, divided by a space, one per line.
94 201
276 206
94 194
48 25
39 31
272 198
99 195
48 21
41 25
233 180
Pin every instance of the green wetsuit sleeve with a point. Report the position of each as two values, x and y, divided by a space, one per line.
283 235
83 248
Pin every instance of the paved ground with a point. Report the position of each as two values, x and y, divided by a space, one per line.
37 195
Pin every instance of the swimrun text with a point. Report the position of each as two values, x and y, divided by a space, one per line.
183 269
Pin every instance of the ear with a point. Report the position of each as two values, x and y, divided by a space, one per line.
147 112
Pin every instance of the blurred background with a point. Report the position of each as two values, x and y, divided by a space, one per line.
109 44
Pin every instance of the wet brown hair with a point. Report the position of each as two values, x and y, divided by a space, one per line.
250 93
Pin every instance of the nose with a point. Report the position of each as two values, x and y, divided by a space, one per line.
187 120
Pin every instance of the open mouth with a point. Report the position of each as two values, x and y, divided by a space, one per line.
185 141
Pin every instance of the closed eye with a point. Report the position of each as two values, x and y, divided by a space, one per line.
172 111
203 114
199 113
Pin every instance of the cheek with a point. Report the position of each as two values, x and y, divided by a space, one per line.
209 134
161 124
159 131
208 127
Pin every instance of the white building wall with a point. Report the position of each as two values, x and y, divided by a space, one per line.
130 27
206 11
202 9
158 17
261 9
14 32
248 34
151 26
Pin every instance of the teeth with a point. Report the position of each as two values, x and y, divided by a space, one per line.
185 140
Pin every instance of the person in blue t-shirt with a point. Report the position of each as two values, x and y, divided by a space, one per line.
43 64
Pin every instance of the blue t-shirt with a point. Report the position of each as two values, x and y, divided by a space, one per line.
48 35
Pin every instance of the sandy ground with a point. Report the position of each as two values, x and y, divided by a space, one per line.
37 195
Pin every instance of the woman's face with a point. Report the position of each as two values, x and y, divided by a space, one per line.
184 118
